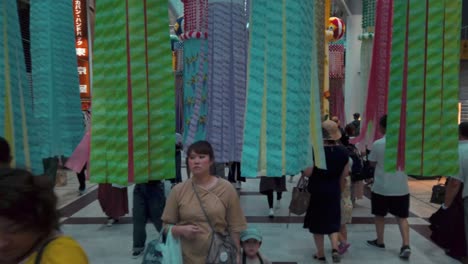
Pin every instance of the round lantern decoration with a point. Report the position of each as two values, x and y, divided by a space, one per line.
335 29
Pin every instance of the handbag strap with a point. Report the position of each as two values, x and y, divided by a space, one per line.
302 182
41 250
202 207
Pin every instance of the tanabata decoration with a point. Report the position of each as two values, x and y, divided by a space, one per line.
227 56
422 133
133 124
195 36
283 119
335 29
15 92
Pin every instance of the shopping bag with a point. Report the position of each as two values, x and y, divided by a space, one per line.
300 197
159 251
438 194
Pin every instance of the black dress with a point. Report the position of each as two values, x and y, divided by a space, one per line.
324 213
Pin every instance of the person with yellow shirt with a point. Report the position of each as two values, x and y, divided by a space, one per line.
29 223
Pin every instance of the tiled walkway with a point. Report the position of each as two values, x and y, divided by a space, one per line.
84 220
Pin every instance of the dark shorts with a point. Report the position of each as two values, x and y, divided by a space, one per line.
395 205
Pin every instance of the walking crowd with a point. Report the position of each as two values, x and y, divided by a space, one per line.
203 213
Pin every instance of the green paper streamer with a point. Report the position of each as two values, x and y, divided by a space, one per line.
161 93
395 84
433 107
109 139
139 90
415 87
451 63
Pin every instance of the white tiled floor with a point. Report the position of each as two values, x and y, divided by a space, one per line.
294 244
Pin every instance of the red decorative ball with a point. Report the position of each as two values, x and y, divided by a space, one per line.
337 26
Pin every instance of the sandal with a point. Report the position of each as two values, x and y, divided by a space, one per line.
336 256
320 259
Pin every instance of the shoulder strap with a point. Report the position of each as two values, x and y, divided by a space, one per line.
41 250
203 208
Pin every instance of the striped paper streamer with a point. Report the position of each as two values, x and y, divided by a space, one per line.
319 25
433 111
195 90
283 89
161 93
416 86
57 106
376 100
109 161
397 71
428 98
227 60
15 94
195 70
134 121
451 66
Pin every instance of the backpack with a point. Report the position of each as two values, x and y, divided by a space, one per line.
358 162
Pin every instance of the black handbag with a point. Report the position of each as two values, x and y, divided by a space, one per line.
438 193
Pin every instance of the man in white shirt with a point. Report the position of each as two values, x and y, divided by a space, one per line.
390 194
462 176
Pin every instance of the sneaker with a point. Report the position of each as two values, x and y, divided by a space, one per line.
81 192
343 247
336 256
137 253
111 221
238 185
271 214
278 204
405 252
375 244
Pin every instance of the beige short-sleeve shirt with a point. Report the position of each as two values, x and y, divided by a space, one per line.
222 205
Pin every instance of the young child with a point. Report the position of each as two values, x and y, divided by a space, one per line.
251 240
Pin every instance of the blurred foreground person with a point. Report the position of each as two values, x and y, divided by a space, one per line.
29 222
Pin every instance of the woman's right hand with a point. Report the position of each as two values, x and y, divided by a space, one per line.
187 231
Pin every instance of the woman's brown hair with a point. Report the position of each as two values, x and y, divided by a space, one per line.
28 200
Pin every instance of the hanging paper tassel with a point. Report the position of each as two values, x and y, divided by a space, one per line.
15 94
422 119
376 100
134 120
195 70
283 89
227 58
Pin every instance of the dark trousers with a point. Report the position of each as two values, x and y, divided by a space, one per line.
82 178
269 194
235 172
148 203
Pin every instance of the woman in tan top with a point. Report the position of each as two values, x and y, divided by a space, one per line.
219 199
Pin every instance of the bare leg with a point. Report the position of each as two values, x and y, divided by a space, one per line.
343 235
319 245
404 230
379 228
334 240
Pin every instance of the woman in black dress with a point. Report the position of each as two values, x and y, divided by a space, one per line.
323 215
